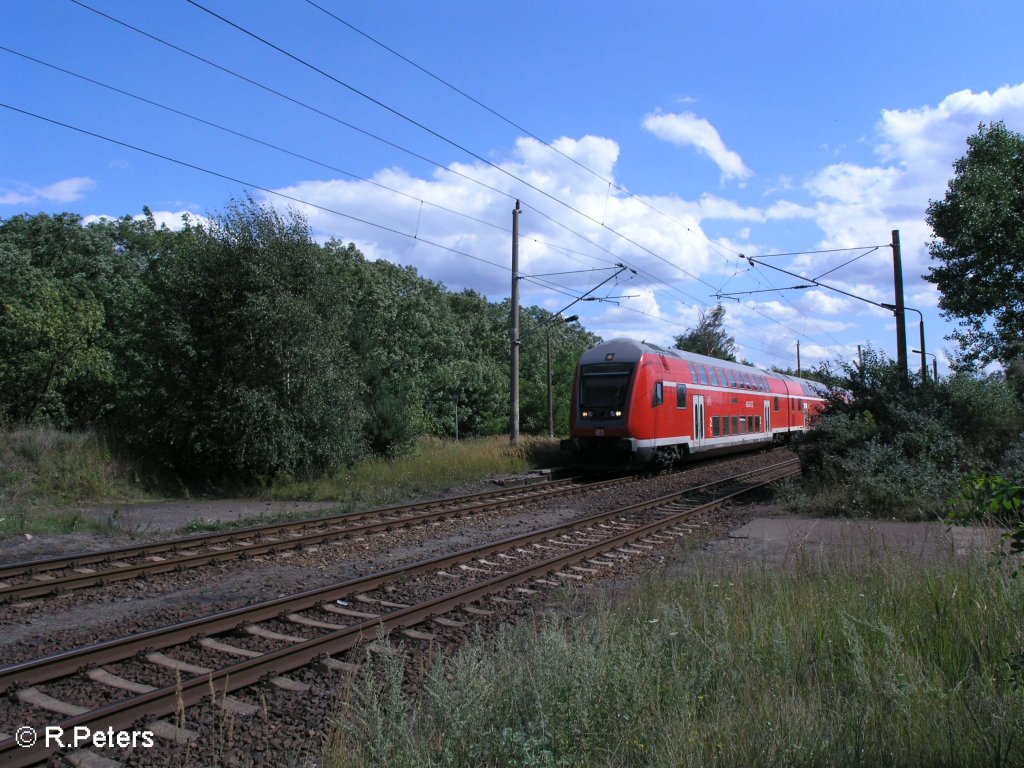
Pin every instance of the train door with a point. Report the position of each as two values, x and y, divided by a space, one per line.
698 421
768 416
806 410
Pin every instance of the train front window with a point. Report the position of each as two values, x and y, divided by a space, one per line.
604 388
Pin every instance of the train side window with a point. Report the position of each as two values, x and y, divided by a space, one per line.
732 377
680 395
757 423
702 374
735 425
725 425
743 425
714 376
776 403
659 393
693 373
716 426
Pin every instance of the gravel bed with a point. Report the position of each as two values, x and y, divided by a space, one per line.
290 728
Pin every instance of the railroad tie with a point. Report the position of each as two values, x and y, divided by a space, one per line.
332 608
415 634
105 677
257 631
86 758
298 618
287 684
163 660
330 664
233 650
37 698
168 731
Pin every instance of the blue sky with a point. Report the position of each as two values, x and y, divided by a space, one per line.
697 131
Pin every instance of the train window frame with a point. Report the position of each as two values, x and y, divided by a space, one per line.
681 400
659 394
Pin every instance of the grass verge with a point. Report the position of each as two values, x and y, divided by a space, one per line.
42 469
433 465
897 666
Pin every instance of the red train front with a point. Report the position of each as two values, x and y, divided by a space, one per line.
636 403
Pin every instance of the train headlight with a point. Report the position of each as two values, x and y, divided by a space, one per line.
587 414
616 413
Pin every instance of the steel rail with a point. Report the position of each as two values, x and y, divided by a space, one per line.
123 713
323 529
58 562
105 652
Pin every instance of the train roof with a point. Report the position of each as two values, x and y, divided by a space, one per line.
630 351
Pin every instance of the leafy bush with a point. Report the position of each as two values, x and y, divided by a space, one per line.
889 447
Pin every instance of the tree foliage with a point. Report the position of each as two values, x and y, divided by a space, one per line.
709 336
979 246
239 349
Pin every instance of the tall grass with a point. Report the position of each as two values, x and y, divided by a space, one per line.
433 465
896 666
42 469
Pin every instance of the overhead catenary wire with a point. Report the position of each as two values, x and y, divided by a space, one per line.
372 135
437 134
450 170
509 121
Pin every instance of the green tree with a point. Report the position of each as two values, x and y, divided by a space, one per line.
568 342
979 246
709 337
48 330
243 369
70 291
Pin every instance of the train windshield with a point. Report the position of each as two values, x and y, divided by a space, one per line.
604 386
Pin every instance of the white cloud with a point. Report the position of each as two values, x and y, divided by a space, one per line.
686 129
64 191
596 228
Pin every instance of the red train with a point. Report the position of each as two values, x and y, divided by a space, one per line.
635 403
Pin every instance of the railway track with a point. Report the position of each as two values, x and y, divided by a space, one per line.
147 676
38 578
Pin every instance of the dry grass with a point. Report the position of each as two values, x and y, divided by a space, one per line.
42 469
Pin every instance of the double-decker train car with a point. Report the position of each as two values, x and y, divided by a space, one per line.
635 403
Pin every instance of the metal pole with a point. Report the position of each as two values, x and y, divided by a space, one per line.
551 415
924 362
901 316
514 384
798 357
